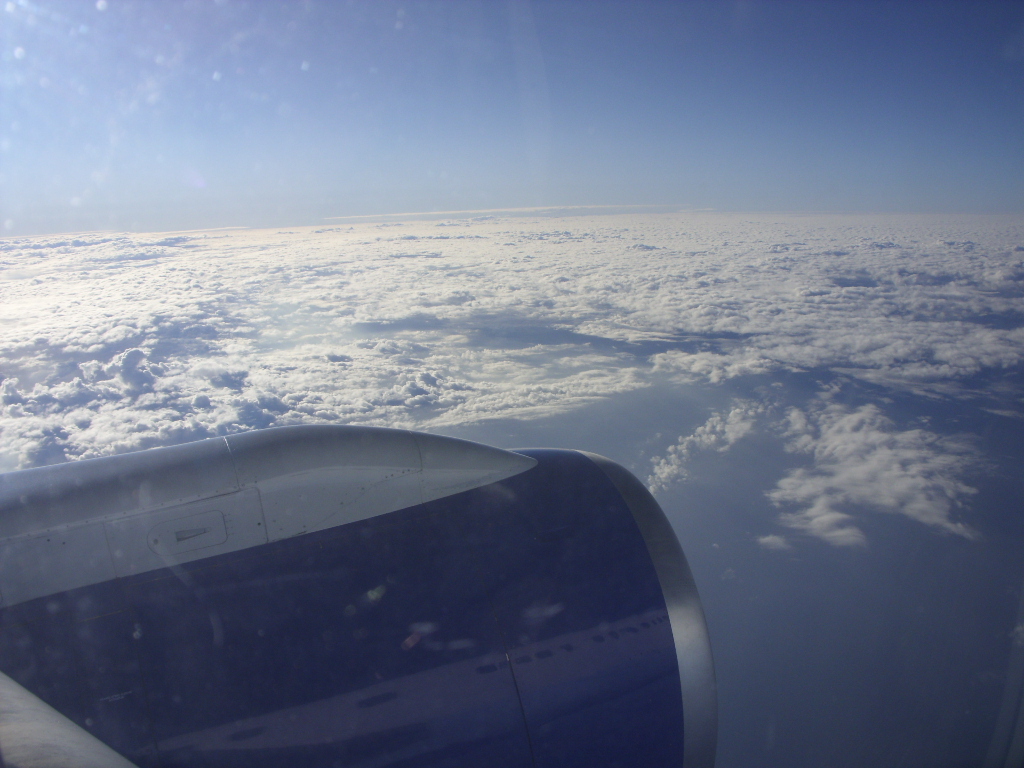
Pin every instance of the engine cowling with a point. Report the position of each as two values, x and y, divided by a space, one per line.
352 596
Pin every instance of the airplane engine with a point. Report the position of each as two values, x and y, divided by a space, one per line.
347 596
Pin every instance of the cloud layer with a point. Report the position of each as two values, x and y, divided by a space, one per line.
119 342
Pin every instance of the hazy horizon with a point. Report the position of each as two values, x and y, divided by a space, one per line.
553 211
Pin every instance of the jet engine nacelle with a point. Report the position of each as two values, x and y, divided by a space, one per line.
347 596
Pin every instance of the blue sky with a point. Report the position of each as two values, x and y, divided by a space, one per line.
147 115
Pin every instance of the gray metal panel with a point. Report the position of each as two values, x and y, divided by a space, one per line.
64 494
35 566
35 735
316 477
686 616
170 538
167 537
451 465
268 453
323 498
36 500
82 523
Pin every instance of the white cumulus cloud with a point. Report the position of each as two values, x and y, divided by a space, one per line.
773 541
862 461
719 433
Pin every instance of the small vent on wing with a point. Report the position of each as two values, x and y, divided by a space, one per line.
184 534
